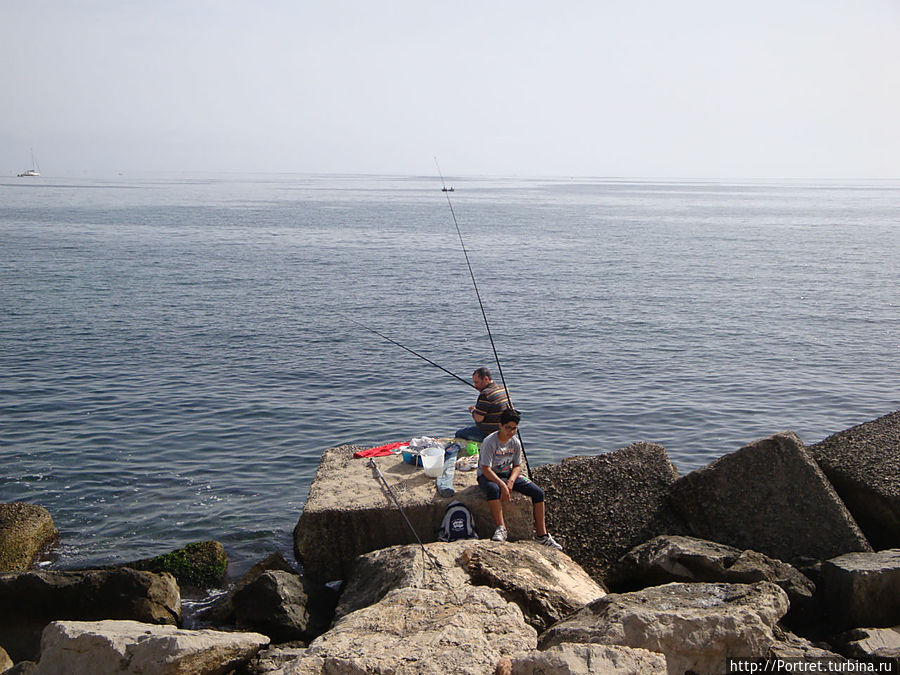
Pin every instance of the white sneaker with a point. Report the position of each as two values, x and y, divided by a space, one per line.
499 534
547 540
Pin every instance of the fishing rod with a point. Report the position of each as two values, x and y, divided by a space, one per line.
424 358
478 295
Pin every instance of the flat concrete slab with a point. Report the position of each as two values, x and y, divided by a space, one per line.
349 511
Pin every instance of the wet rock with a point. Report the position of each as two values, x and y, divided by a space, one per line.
221 612
863 464
25 530
31 600
863 589
348 511
696 626
600 507
273 604
79 647
5 662
418 630
770 496
589 659
201 564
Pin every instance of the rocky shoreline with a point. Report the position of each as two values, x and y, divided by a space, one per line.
775 551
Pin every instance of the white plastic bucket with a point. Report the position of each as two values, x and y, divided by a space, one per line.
433 462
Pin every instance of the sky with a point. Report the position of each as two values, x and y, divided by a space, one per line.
712 89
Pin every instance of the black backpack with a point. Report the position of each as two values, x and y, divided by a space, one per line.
458 523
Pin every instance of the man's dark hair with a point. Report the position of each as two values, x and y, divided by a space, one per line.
510 415
483 372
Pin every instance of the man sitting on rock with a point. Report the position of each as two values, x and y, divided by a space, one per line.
492 400
499 472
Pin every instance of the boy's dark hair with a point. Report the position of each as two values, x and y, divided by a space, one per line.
483 372
510 415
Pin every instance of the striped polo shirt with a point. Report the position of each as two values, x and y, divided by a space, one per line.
492 401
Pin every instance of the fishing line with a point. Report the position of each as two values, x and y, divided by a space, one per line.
478 295
411 351
427 556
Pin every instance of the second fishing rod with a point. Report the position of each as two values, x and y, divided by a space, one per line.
487 326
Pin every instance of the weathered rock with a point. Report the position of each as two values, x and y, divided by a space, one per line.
863 589
770 496
787 645
274 659
22 668
863 464
201 564
545 583
589 659
31 600
221 612
375 574
88 648
667 558
865 643
25 530
415 630
602 506
5 662
349 512
697 626
273 604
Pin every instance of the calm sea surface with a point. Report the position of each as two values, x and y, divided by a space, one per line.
175 353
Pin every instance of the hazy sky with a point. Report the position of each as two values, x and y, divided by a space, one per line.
676 88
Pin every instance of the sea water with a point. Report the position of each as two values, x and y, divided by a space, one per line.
176 352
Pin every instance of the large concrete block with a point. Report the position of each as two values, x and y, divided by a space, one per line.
349 511
863 464
770 496
600 507
862 590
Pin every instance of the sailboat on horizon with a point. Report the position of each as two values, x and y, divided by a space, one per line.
33 171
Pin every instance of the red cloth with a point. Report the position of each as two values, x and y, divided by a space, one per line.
380 451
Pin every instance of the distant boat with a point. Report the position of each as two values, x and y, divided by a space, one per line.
33 171
446 189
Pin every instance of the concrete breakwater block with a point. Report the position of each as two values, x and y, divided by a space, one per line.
863 589
600 507
349 512
863 464
770 496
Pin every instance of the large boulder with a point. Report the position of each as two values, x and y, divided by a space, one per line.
770 496
863 464
415 630
25 530
87 648
349 511
697 626
545 583
863 589
221 611
274 604
668 558
588 659
600 507
31 600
